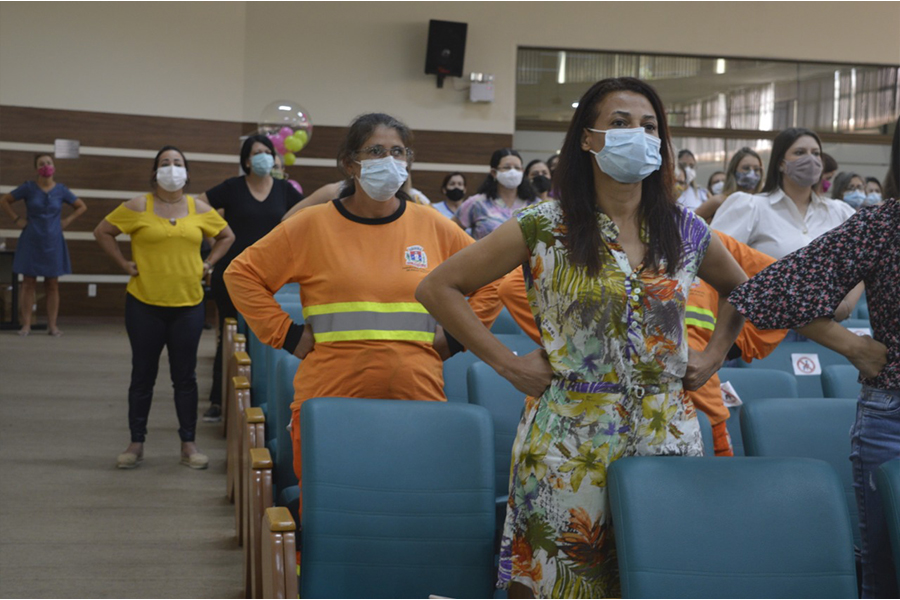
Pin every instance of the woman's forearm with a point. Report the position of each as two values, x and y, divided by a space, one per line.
223 243
449 306
109 245
6 203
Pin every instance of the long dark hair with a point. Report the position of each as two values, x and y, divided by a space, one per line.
488 187
891 187
360 130
187 167
573 184
247 147
783 142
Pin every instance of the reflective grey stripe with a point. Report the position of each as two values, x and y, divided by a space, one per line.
379 321
699 316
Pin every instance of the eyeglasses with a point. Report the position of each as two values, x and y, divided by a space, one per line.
379 151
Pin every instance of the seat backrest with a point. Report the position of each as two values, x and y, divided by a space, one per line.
754 528
456 367
280 413
706 434
799 359
805 427
398 499
889 487
506 324
505 404
841 381
750 385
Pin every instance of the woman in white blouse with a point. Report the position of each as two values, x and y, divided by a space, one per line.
787 214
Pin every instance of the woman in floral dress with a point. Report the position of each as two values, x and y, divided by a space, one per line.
608 270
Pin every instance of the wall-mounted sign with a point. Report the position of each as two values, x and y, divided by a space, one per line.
66 148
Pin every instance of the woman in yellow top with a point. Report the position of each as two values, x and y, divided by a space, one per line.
164 301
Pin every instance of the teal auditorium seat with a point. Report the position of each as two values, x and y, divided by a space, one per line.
706 433
456 368
841 381
889 487
805 427
750 385
808 386
398 499
735 528
282 451
506 324
505 404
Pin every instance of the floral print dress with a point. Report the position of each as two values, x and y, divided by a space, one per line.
618 349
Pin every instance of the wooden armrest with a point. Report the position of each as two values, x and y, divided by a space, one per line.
230 321
240 382
239 338
254 414
279 518
242 358
260 458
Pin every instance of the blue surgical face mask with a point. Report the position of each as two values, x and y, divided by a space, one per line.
629 155
855 198
262 164
380 178
872 198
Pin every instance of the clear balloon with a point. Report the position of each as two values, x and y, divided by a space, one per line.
286 119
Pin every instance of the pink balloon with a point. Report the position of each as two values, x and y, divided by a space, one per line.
285 132
278 142
296 185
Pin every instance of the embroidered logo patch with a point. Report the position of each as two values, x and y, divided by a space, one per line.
415 257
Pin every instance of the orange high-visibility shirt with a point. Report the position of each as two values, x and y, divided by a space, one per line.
357 279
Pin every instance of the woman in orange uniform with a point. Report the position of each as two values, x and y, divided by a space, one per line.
358 261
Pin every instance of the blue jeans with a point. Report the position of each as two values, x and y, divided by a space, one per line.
150 329
874 440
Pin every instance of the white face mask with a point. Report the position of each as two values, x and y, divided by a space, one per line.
510 179
171 178
717 187
380 178
689 175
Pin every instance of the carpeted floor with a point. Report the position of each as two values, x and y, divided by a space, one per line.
74 526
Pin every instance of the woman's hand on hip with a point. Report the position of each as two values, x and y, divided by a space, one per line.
701 366
130 267
530 373
440 343
869 356
306 344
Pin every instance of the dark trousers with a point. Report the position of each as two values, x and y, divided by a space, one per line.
150 328
225 309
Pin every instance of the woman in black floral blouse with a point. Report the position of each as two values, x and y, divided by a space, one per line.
802 291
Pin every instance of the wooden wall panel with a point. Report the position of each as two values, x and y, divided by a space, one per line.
109 130
109 172
75 302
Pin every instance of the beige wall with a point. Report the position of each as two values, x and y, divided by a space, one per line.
222 60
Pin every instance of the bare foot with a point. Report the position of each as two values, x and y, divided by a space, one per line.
54 332
25 331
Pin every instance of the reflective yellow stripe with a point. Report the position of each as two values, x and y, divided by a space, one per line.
702 311
383 307
375 334
701 324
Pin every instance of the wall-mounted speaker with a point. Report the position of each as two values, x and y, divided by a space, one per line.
446 49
